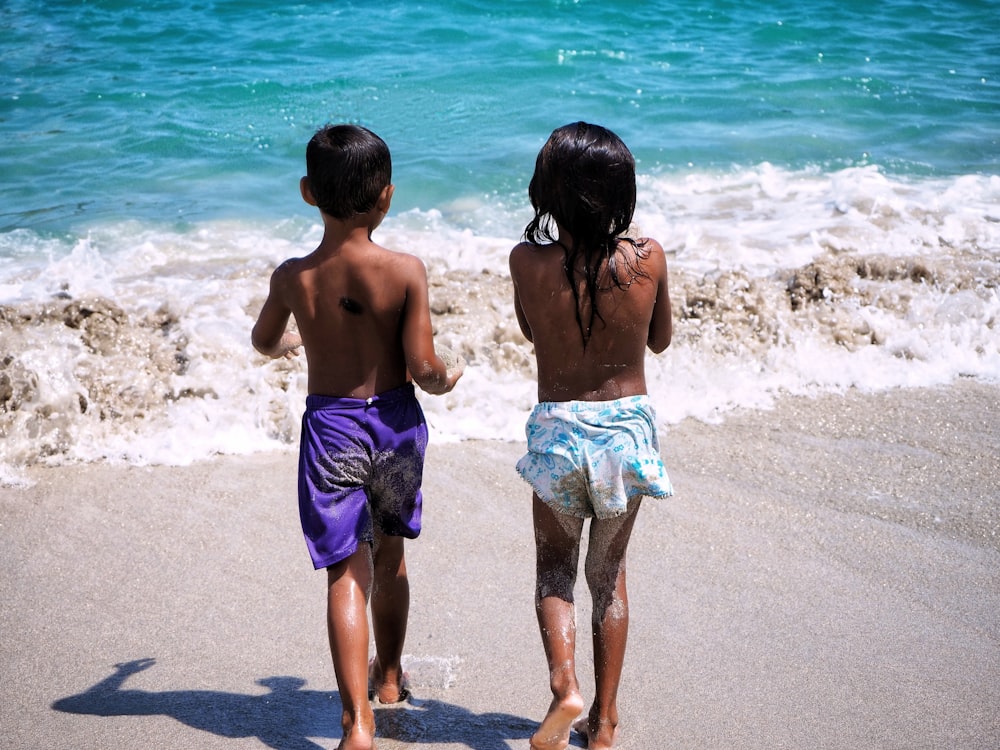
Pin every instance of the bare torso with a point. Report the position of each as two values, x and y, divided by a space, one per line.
348 308
611 365
361 311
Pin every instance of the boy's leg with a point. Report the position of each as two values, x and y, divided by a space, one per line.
557 552
390 612
605 571
349 584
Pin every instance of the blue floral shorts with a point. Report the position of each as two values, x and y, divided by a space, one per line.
589 458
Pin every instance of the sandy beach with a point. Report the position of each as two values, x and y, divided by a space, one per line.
827 576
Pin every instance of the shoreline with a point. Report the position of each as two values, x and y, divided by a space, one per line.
827 576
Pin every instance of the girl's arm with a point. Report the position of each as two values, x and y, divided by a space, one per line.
661 326
522 321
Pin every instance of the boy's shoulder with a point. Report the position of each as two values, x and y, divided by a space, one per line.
391 260
288 268
368 253
372 261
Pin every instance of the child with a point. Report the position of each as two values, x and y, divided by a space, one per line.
363 317
591 299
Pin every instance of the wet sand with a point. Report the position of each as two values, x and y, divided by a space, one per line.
828 576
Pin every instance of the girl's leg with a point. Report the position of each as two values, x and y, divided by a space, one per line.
605 571
557 552
349 584
390 610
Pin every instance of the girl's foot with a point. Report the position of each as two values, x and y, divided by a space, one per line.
604 737
553 734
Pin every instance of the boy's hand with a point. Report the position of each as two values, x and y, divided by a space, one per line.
453 361
434 384
454 364
289 345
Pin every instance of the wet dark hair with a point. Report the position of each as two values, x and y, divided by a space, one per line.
348 167
585 180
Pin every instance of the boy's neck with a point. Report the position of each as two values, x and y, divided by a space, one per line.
338 232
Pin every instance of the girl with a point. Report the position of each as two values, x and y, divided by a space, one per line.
591 299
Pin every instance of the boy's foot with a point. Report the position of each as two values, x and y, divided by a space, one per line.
386 692
356 741
601 739
553 734
359 731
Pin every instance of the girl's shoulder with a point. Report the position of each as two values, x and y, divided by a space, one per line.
641 251
641 245
530 252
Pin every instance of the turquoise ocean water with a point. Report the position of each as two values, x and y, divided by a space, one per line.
823 174
188 111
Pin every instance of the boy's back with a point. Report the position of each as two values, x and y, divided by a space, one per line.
357 306
362 310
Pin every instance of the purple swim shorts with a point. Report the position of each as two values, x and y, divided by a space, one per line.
361 463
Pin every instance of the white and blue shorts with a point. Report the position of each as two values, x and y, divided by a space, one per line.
589 458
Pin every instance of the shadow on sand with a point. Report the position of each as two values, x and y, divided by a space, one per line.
288 716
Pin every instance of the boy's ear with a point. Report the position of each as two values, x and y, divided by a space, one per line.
307 194
385 199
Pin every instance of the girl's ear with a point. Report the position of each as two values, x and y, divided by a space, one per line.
306 191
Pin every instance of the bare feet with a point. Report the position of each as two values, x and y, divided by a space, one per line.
553 734
359 729
603 737
357 739
386 691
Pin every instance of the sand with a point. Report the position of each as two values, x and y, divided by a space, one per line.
828 576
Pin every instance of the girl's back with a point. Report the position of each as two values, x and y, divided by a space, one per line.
589 299
610 364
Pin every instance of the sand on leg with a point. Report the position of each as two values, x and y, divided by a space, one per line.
557 552
605 571
390 612
348 587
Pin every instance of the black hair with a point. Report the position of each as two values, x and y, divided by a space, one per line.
348 167
585 180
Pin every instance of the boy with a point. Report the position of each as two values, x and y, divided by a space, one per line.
363 318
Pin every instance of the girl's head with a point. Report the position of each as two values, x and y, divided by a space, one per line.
584 180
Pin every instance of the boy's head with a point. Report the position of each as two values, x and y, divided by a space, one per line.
347 168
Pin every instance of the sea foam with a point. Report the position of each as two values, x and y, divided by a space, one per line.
130 341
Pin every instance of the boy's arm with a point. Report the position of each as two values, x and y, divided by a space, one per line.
661 326
269 336
425 367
